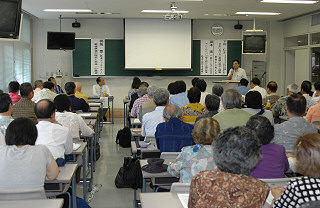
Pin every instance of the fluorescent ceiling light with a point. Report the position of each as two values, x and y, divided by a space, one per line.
165 11
259 13
289 2
67 10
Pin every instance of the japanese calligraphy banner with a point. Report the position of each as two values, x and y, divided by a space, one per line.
213 57
97 57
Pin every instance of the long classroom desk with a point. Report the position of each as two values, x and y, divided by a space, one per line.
35 203
160 200
110 100
65 177
81 151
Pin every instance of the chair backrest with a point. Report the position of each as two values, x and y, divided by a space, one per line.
169 155
22 194
277 181
180 188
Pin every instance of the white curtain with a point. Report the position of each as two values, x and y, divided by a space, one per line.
15 57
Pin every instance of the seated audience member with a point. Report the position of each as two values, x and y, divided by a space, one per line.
180 99
14 91
72 121
173 134
316 94
233 115
274 162
1 91
78 93
38 86
272 95
243 87
6 110
253 104
199 157
100 89
135 96
194 81
313 113
236 151
134 86
307 93
149 106
25 107
218 90
194 109
305 189
57 88
151 120
279 108
76 103
287 132
202 86
50 133
143 97
23 165
212 105
46 93
255 86
172 88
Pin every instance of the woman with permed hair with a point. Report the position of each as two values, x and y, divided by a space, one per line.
305 189
199 157
236 151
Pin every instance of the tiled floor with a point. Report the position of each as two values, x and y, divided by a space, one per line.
107 168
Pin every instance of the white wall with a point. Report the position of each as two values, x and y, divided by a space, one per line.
47 62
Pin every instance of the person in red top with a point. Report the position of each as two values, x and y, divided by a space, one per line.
14 91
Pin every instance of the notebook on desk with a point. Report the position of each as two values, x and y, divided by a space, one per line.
76 146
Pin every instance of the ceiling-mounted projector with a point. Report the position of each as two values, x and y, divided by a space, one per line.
174 14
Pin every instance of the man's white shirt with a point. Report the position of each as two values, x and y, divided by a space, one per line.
74 123
55 137
262 91
238 74
98 91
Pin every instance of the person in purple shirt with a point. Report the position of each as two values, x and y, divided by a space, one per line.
274 162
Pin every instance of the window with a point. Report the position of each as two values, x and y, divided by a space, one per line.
15 57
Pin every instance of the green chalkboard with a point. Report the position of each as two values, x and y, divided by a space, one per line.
114 59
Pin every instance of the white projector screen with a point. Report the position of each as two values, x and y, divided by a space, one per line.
155 43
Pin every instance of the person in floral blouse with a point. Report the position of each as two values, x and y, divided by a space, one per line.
194 109
236 151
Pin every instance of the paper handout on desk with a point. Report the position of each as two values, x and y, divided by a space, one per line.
84 114
184 198
94 104
76 146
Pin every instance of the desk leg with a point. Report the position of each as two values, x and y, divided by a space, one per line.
74 197
91 161
84 175
94 151
112 112
144 182
124 115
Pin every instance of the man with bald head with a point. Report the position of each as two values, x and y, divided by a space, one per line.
50 133
173 134
78 93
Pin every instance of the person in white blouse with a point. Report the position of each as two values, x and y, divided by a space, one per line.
50 133
236 73
100 89
72 121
